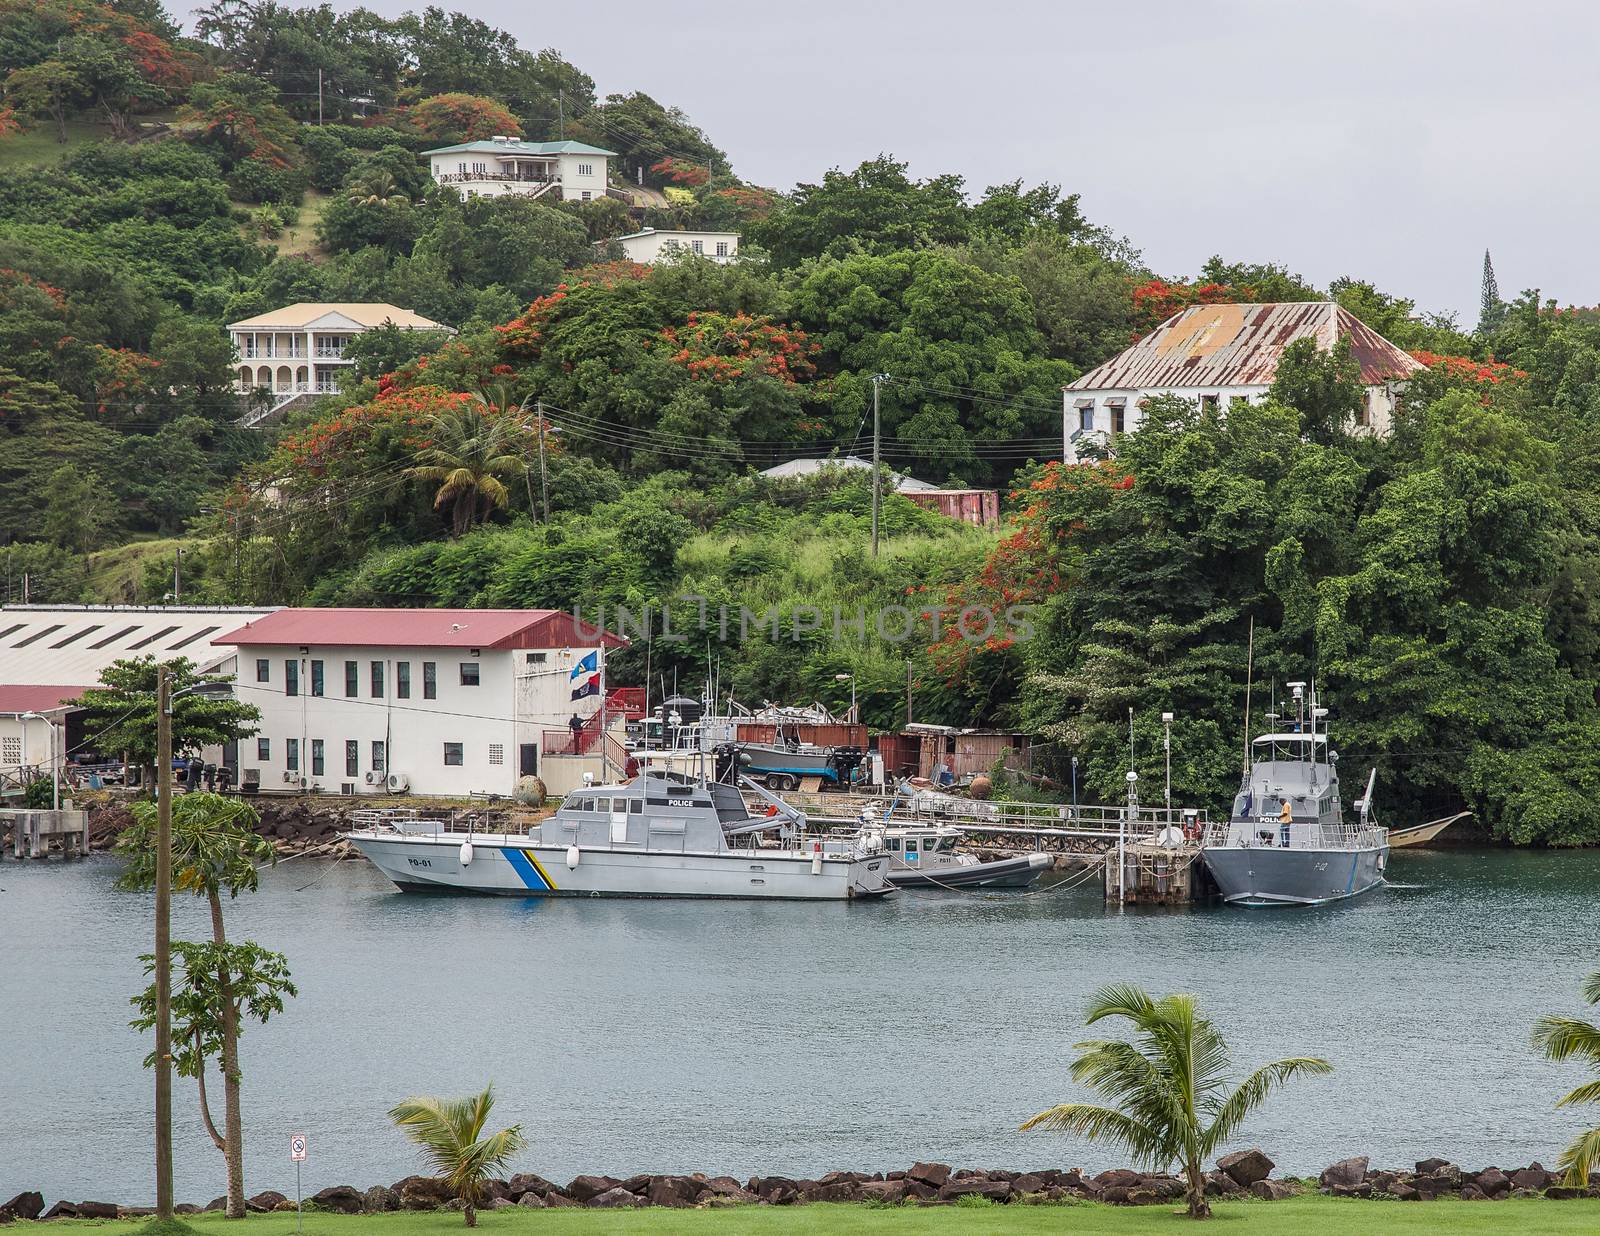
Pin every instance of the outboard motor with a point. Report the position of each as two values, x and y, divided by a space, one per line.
845 762
728 762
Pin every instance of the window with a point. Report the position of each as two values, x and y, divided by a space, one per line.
1364 412
1208 403
469 673
291 754
377 680
586 169
1086 417
318 762
636 806
352 757
1118 417
291 678
402 679
452 754
538 658
1235 401
430 681
480 169
699 246
603 805
462 167
263 749
722 248
379 755
317 678
263 670
352 678
497 753
585 195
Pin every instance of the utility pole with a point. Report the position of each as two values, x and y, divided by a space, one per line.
908 690
877 481
177 576
163 943
561 115
544 477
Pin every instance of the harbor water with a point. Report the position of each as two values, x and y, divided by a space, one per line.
630 1036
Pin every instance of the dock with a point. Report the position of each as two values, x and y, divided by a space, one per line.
1160 847
35 834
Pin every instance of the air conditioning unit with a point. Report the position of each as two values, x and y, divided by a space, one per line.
373 776
347 788
289 778
399 783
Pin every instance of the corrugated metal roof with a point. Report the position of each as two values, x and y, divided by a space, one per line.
46 645
15 700
1240 345
415 628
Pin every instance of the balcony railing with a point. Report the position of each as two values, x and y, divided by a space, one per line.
330 351
268 352
450 178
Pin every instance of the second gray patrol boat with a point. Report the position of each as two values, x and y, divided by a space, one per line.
1287 841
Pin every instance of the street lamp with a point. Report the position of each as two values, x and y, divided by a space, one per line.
851 678
165 695
1166 725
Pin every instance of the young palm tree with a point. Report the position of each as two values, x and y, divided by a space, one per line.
377 187
1562 1038
214 850
450 1132
471 446
1167 1086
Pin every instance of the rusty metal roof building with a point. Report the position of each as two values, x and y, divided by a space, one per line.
1219 346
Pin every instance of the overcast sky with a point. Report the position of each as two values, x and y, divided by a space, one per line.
1391 140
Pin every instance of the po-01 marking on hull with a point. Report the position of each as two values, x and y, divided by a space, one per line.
416 863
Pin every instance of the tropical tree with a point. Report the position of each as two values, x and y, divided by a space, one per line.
214 850
450 1132
470 447
121 712
457 117
1167 1085
1566 1038
376 186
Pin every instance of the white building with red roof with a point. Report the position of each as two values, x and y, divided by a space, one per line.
1220 354
446 702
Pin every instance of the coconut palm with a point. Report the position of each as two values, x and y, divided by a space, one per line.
450 1132
1167 1086
1563 1038
470 447
376 187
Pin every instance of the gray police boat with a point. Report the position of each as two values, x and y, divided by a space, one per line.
661 834
1287 841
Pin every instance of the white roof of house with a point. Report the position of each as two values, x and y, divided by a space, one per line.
356 315
810 467
672 233
71 644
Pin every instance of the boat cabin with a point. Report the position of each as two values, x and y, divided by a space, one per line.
654 811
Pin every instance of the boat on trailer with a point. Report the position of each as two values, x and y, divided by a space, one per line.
660 834
1286 841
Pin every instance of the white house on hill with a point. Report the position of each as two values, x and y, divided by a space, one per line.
299 349
569 171
450 702
651 244
1220 354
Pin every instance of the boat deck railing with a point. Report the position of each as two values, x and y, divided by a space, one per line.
1267 832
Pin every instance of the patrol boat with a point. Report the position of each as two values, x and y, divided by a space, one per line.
660 834
1287 841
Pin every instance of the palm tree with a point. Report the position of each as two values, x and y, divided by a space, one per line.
470 447
1168 1086
1562 1038
376 187
450 1132
214 850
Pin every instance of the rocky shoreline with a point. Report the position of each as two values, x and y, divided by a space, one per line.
1243 1174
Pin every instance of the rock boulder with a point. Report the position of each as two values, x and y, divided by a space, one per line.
934 1175
584 1188
1346 1173
380 1199
1246 1166
423 1193
341 1199
25 1205
616 1198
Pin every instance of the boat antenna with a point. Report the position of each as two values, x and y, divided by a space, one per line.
1249 669
1130 739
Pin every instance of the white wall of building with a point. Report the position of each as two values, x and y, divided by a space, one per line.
651 244
583 177
519 694
1094 416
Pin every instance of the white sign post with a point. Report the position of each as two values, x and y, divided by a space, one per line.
297 1153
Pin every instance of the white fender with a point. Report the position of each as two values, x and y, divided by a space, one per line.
572 856
466 853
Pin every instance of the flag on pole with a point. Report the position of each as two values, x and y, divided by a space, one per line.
585 677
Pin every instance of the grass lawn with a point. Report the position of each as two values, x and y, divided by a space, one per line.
116 575
301 239
37 146
1312 1214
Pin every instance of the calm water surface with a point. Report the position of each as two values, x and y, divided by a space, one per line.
680 1036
